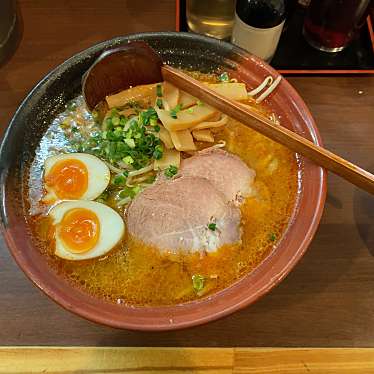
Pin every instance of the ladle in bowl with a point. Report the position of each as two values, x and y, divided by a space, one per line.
137 63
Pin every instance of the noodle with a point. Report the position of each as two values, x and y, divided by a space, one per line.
267 92
146 169
268 80
114 169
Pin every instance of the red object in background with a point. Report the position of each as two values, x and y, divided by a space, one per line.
331 24
181 16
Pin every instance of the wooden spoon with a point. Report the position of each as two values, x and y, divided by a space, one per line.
137 63
118 69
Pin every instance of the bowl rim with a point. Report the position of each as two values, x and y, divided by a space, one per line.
247 299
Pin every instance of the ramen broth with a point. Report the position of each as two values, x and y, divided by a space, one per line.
137 274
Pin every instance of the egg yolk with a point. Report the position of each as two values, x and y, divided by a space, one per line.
68 178
79 230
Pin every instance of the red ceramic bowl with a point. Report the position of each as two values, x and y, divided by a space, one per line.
179 49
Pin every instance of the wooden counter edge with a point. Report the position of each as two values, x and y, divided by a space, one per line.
15 360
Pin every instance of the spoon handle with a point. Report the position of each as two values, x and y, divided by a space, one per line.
321 156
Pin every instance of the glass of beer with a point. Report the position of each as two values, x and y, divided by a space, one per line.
211 17
331 24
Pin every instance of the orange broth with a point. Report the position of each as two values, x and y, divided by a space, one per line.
138 274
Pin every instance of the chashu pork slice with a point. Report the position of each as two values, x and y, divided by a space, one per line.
174 215
227 172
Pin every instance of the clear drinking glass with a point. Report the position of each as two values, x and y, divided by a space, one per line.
211 17
331 24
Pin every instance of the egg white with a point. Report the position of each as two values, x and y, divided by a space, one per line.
112 228
98 175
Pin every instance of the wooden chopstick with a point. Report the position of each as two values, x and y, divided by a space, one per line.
321 156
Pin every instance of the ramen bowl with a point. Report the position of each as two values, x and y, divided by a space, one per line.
187 51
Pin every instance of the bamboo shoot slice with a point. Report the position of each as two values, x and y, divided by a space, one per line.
186 100
183 140
169 157
145 91
233 91
209 125
165 137
185 118
170 96
204 135
216 117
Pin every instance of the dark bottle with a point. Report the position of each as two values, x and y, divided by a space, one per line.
258 26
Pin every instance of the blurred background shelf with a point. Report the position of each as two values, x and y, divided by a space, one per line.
295 56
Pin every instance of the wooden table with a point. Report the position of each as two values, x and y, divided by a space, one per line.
327 300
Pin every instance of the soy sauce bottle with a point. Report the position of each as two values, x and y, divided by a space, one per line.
258 26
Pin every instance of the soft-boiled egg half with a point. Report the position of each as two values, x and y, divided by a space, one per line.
74 176
85 229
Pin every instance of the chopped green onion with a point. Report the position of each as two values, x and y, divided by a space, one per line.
129 192
130 143
119 180
212 226
153 121
159 90
117 134
146 116
159 103
157 155
171 171
198 282
128 160
190 110
173 112
199 103
115 120
224 77
158 152
124 193
108 125
122 121
122 139
136 190
272 237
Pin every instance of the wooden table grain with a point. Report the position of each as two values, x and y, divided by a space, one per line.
326 301
93 360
